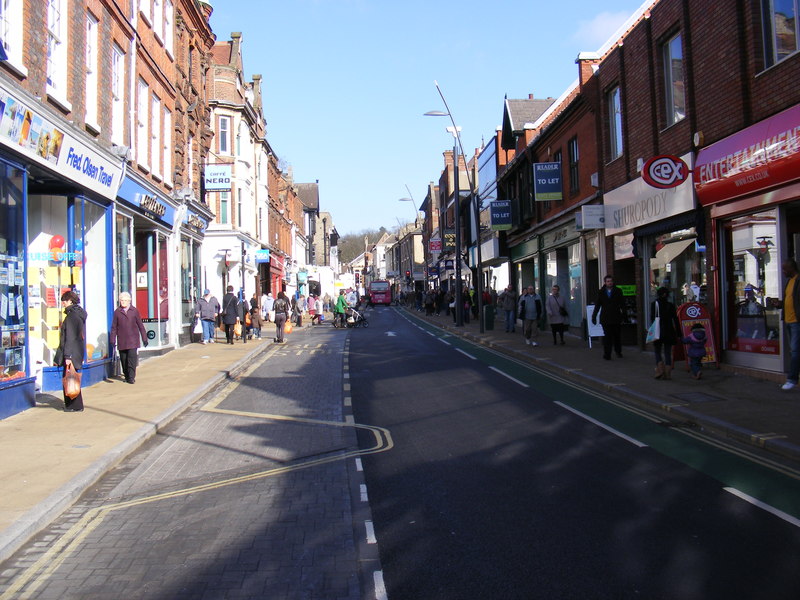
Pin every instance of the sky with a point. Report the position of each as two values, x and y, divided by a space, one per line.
346 84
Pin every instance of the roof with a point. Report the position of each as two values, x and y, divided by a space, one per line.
519 112
308 193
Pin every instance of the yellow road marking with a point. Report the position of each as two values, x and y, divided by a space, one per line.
40 571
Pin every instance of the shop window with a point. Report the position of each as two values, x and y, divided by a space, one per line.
780 29
614 104
152 283
754 274
677 264
13 321
673 81
123 256
190 270
67 237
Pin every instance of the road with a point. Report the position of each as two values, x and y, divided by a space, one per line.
504 483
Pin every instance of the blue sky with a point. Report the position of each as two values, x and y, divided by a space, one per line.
346 84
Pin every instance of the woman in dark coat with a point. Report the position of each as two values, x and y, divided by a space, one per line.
72 343
126 329
669 332
230 313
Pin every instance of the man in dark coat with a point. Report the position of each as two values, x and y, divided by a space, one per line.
126 329
72 343
230 313
612 303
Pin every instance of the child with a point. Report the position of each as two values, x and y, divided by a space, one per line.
696 341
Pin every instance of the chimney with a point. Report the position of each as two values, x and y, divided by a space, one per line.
257 105
236 47
588 63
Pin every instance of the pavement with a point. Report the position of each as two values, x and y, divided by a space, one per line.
52 457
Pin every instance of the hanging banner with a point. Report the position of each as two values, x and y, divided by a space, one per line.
547 182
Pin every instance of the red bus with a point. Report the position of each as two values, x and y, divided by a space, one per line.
380 292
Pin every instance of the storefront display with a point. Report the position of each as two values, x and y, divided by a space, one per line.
13 317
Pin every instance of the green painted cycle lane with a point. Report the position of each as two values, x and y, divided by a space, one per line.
731 466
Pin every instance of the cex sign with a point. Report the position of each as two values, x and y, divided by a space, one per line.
665 172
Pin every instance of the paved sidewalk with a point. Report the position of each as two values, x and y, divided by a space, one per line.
722 403
50 457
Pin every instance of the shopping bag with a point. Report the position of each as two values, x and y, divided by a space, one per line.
237 329
198 327
288 328
72 382
654 331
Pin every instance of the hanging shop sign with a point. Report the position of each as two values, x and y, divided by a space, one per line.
449 238
435 245
500 215
217 177
547 181
664 172
195 222
592 216
26 131
262 256
758 157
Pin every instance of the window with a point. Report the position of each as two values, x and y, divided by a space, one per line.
141 123
572 152
780 29
614 123
91 71
117 91
673 81
167 146
158 19
57 52
145 8
224 135
224 203
190 163
11 33
168 24
239 207
155 134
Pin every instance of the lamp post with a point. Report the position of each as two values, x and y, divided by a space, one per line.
473 200
415 209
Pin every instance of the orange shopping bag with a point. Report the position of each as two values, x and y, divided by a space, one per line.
288 328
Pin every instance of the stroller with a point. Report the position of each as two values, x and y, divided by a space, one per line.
353 318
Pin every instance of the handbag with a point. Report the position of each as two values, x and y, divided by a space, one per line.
654 331
563 311
71 382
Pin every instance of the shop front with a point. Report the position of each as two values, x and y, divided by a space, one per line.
563 266
144 237
56 192
190 272
749 184
664 229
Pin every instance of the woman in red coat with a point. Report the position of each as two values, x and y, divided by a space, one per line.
126 328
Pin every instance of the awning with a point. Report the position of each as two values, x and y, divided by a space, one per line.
669 252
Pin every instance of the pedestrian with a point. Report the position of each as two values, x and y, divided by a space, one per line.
531 312
126 329
71 343
430 298
207 310
256 322
611 306
696 341
268 307
301 309
557 314
282 308
230 313
263 302
244 318
507 302
791 316
317 317
669 331
326 302
339 310
467 300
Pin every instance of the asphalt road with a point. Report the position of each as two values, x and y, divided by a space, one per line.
496 488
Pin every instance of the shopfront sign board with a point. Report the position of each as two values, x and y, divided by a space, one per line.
689 314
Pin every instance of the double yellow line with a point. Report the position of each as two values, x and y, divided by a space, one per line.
39 572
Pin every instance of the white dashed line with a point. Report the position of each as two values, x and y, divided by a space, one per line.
380 586
371 539
506 375
364 496
466 354
633 441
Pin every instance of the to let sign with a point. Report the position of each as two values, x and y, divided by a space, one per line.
500 213
547 181
435 244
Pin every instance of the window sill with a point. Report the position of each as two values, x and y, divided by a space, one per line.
92 127
61 103
17 68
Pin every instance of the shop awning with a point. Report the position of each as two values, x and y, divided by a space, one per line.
669 253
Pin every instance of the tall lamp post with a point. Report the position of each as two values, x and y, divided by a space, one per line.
473 203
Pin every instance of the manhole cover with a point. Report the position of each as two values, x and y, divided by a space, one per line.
697 397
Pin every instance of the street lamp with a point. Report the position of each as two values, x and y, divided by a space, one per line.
455 129
416 216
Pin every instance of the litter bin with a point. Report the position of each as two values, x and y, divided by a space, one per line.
488 317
